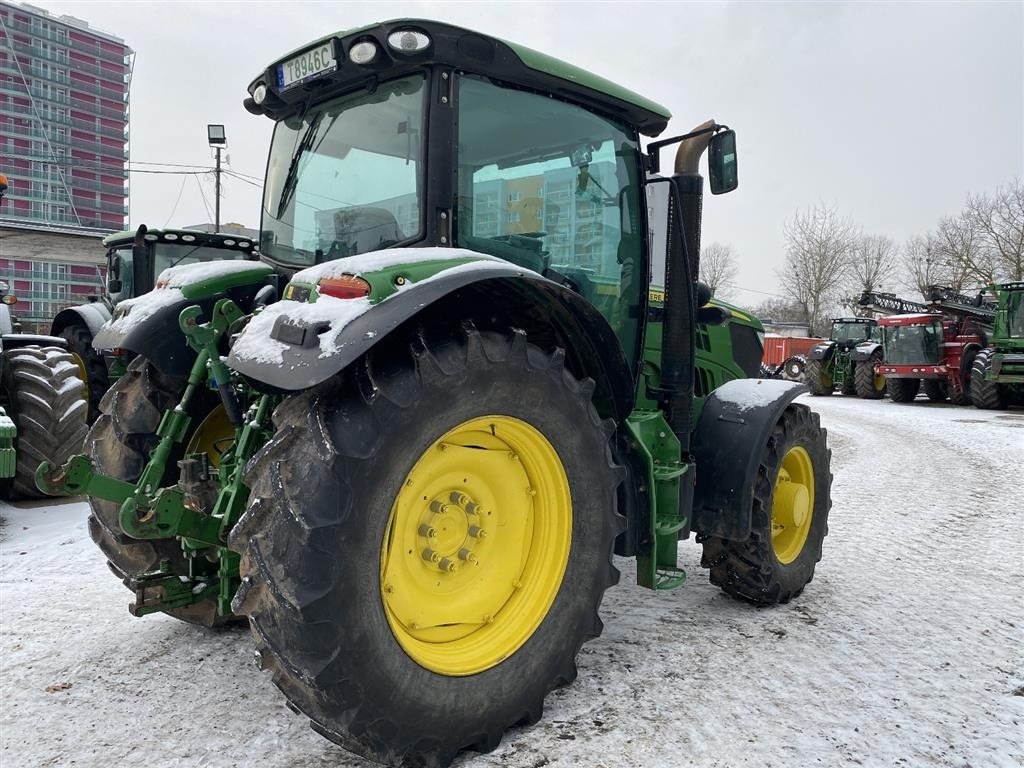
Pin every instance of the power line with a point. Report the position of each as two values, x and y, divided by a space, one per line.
209 211
184 178
242 179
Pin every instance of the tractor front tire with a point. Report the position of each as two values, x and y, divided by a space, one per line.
902 390
380 611
816 378
870 385
92 368
987 395
119 445
47 406
936 390
789 516
794 367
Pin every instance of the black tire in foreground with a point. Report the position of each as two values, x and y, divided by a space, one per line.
119 444
47 406
988 395
817 380
774 565
79 340
869 385
936 390
902 390
315 585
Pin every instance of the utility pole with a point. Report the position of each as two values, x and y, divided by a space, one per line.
215 135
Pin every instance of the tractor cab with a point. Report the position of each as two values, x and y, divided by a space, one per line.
912 339
851 331
1014 310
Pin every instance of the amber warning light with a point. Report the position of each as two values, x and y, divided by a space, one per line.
344 287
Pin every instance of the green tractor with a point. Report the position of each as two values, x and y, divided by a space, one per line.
848 360
132 268
998 372
407 444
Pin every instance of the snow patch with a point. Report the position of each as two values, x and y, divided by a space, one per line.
131 313
185 275
377 260
748 394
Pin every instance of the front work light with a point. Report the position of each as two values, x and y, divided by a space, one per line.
259 93
408 41
363 52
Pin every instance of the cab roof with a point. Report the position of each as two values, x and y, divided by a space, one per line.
463 49
184 236
915 319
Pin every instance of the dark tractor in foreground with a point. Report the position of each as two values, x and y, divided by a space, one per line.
132 271
847 361
998 372
407 444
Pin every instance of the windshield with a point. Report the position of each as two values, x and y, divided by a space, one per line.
851 331
1015 313
913 344
554 188
347 177
172 255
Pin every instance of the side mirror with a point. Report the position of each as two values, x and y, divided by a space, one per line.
722 162
114 285
115 266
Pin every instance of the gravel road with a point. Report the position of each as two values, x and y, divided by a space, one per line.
907 649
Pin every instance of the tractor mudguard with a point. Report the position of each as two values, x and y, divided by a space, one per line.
16 340
293 345
862 352
93 316
730 438
148 325
822 351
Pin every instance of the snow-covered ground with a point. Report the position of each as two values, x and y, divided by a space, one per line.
907 649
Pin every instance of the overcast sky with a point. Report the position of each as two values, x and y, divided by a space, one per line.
893 112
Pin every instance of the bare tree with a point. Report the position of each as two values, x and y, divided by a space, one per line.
819 244
718 267
779 311
960 245
873 263
999 219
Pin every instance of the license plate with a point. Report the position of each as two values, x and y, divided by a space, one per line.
316 61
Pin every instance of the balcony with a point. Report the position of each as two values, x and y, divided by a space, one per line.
89 206
68 221
92 69
19 89
97 186
93 109
39 196
59 56
98 148
114 95
20 69
28 274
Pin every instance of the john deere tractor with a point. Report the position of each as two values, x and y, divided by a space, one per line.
848 360
131 272
407 444
998 372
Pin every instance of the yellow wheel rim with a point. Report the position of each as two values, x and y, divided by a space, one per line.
476 545
213 436
792 504
83 372
879 382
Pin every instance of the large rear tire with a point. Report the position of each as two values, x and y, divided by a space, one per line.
902 390
92 368
963 396
358 513
817 379
869 385
119 444
47 406
937 390
789 517
987 395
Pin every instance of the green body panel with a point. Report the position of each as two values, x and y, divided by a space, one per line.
214 286
386 282
8 456
714 355
1007 340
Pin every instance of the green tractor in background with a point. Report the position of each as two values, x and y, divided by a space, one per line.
129 276
997 375
407 444
848 360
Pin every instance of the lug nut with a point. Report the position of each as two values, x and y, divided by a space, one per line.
468 556
458 498
430 555
477 532
437 507
428 532
447 565
472 507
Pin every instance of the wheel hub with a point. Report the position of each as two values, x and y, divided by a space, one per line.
792 504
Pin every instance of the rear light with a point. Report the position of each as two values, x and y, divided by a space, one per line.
344 287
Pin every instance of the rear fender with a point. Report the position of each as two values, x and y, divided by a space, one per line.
294 345
17 340
148 325
822 351
730 439
92 316
863 352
